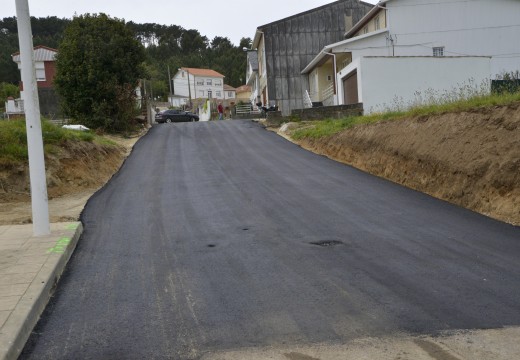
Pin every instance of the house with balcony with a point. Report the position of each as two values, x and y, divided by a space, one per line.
45 66
282 49
194 83
408 52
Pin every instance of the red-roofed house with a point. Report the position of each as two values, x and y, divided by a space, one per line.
45 64
198 84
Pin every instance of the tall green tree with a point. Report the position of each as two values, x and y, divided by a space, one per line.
98 65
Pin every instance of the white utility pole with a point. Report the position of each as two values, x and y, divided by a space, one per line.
40 202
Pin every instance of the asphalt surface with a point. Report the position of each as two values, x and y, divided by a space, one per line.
223 235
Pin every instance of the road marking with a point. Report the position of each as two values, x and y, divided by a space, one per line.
60 246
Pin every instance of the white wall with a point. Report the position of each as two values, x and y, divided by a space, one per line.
396 83
180 84
476 28
205 115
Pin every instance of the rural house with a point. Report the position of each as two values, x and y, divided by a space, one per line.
193 83
407 52
45 64
283 48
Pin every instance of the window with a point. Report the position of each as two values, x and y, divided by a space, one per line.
218 94
438 51
230 94
329 78
218 83
377 23
365 30
40 71
210 94
201 93
200 81
209 82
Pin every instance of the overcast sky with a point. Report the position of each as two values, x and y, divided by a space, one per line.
233 19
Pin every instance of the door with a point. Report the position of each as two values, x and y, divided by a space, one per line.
350 89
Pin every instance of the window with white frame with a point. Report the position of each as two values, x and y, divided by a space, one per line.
438 51
40 71
209 82
218 83
377 22
218 94
200 81
365 30
230 94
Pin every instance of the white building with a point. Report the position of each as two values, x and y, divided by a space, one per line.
230 93
198 84
406 50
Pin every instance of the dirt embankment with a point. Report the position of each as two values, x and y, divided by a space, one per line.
73 175
471 159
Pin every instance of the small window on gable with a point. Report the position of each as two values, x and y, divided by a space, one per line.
329 78
377 22
438 51
365 30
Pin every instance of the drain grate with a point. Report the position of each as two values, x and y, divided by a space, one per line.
327 243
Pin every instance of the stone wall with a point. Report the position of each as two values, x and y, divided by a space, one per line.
328 112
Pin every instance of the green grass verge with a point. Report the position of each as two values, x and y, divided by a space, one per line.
322 128
13 140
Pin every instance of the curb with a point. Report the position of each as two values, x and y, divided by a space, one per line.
24 317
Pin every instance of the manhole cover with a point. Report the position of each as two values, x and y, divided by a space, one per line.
326 243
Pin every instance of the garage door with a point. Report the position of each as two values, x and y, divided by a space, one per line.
350 89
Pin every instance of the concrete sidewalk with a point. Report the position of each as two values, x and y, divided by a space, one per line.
29 270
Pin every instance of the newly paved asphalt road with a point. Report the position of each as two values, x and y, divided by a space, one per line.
206 240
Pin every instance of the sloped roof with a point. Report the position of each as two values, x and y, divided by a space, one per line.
41 53
243 88
229 88
203 72
252 58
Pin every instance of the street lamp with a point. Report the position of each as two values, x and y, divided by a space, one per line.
39 200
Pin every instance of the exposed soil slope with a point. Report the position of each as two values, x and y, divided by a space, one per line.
73 175
471 159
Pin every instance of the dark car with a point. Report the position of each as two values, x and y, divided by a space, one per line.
167 116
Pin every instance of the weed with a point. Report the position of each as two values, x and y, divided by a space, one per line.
318 129
13 140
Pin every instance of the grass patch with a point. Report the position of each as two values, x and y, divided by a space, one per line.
13 140
323 128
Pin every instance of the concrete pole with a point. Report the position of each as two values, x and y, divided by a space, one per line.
40 202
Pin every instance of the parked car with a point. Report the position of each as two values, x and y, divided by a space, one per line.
167 116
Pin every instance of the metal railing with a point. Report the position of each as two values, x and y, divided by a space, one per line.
246 109
327 95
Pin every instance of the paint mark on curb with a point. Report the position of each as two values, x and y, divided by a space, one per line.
60 246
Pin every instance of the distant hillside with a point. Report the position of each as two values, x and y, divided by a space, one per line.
170 45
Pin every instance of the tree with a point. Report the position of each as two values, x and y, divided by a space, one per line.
98 66
8 90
